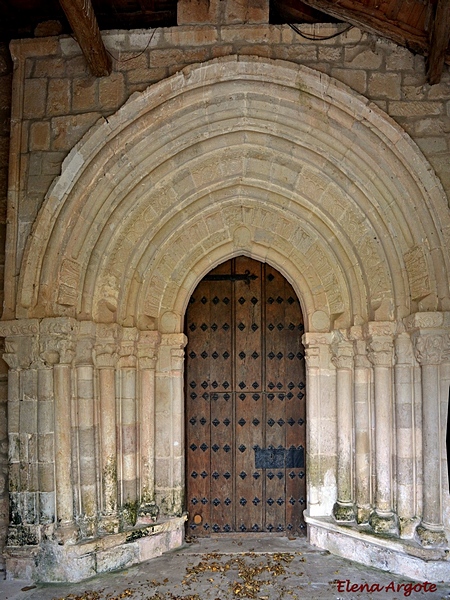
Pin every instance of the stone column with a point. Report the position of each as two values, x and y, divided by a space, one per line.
432 347
46 434
169 461
87 426
106 357
380 336
406 474
147 358
363 441
342 358
321 443
177 373
57 344
22 357
127 426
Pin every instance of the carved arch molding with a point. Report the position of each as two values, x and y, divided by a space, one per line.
238 156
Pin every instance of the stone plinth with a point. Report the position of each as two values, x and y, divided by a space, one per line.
397 556
76 562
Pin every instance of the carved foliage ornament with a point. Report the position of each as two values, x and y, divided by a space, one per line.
432 348
381 351
341 352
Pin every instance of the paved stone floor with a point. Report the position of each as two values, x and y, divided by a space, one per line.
222 569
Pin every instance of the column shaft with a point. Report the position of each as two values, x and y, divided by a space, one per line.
63 445
86 445
363 445
108 436
406 475
383 437
383 520
46 459
432 509
129 441
127 426
343 360
321 443
432 349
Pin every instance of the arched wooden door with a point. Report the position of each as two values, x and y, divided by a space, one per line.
245 402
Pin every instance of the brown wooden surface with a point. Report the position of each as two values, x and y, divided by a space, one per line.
405 22
81 16
440 35
245 385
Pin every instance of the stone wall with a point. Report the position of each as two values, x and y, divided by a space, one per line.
61 101
5 109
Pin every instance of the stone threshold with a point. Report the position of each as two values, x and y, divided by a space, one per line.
401 557
52 563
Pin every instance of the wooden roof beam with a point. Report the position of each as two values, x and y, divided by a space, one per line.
439 39
372 21
81 16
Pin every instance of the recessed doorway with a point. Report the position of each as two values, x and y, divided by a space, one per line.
245 402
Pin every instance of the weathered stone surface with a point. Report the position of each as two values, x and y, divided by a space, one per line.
237 156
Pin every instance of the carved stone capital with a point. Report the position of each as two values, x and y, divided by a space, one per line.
50 357
357 335
127 348
341 351
21 352
431 347
176 340
85 344
10 356
312 356
105 356
381 352
317 351
21 343
147 363
177 358
147 349
380 336
57 340
106 350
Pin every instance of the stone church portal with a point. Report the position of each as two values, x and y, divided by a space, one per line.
235 160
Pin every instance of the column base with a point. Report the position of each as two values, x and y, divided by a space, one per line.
343 512
384 523
408 527
148 512
362 514
108 524
429 537
67 533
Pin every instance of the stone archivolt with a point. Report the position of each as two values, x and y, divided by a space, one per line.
234 157
288 145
